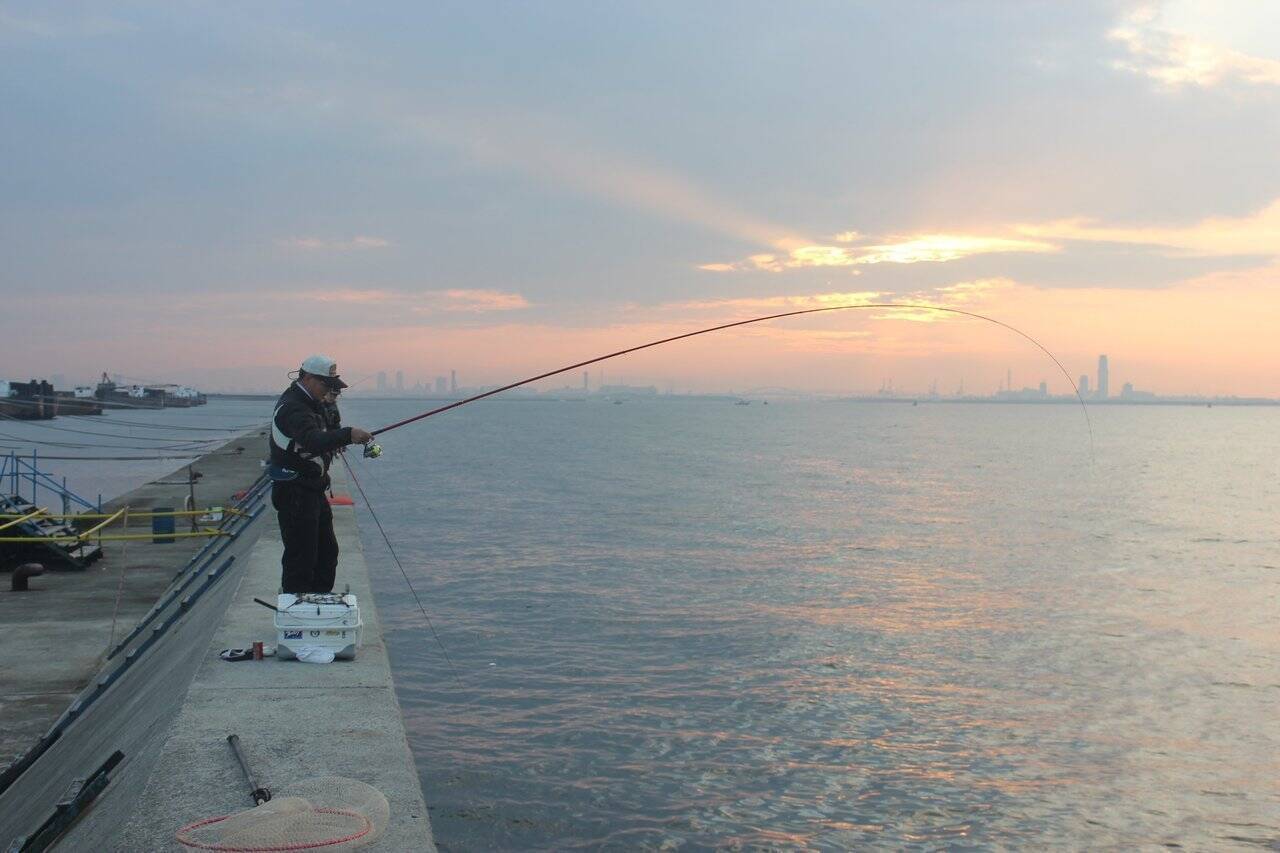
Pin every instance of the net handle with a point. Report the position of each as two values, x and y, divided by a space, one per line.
182 835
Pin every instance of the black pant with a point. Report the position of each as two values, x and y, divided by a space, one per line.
310 559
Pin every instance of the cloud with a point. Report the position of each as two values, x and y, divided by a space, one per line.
311 244
87 26
957 295
476 301
1177 59
922 248
778 303
348 297
1256 234
420 302
934 248
560 154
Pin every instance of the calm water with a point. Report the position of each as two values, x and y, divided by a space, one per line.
116 452
688 624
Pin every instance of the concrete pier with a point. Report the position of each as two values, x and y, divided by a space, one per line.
58 633
171 708
295 720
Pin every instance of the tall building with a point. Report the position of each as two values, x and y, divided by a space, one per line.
382 380
1083 384
442 385
453 382
1104 378
399 380
586 382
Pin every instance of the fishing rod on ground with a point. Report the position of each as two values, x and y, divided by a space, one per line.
374 450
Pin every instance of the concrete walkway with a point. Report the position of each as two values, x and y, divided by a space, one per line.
57 634
295 720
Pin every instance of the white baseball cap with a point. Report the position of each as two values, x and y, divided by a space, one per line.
324 367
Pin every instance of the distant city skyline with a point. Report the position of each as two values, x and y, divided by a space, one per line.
397 380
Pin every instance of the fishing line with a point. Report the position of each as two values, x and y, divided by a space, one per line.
192 455
457 677
124 563
863 306
195 446
145 425
41 425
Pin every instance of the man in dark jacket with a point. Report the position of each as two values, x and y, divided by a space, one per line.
332 417
302 447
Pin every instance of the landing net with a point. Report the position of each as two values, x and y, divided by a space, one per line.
326 813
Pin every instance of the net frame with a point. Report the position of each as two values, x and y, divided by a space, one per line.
183 835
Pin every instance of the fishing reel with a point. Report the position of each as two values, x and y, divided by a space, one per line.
372 451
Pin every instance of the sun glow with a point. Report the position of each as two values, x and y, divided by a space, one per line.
923 248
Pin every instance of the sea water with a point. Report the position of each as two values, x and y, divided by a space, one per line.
832 625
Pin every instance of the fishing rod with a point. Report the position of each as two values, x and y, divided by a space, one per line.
374 450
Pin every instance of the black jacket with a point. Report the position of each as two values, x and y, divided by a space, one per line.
301 440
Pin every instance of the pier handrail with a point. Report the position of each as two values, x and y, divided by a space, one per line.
135 514
117 537
19 470
18 519
92 530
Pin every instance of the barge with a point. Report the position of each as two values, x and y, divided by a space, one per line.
27 401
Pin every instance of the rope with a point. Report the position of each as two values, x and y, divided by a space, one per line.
124 563
457 677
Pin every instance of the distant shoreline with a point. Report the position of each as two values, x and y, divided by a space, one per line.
1050 401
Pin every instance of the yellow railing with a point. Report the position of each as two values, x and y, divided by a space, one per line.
132 514
18 519
92 530
109 518
117 537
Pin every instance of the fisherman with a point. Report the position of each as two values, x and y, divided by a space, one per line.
302 446
332 417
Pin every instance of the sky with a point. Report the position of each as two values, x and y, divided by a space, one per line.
209 192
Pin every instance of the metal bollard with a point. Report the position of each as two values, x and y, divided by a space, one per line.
22 574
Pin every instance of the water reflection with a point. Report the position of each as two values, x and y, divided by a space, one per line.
834 627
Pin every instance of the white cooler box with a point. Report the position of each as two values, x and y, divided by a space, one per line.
326 621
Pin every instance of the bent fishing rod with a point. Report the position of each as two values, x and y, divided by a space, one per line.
722 326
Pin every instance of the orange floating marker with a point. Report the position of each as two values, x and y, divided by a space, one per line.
341 500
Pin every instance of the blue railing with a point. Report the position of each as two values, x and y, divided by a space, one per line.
19 472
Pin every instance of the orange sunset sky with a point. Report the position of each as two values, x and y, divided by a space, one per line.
206 194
